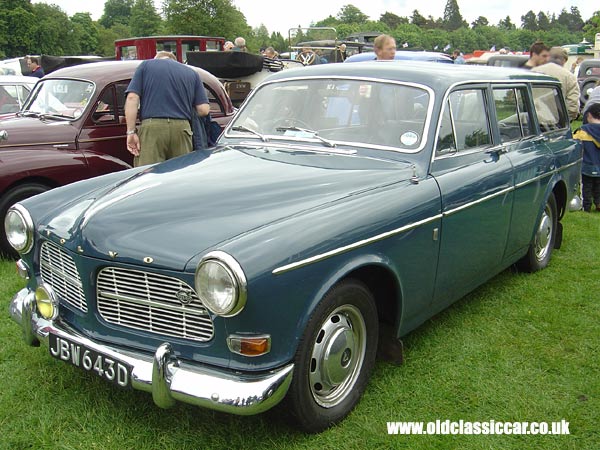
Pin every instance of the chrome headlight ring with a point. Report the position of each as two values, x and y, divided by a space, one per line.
221 284
18 226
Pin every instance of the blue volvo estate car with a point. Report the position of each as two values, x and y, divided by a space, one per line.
343 206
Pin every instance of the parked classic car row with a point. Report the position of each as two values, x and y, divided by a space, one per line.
72 128
344 205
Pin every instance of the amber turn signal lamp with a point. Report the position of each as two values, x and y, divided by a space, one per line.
249 345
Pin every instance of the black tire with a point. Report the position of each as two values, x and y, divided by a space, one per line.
343 327
544 238
11 197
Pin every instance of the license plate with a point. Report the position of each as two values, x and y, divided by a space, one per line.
111 369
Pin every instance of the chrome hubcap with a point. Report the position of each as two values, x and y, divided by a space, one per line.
543 236
337 356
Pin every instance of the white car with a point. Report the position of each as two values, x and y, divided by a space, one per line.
14 90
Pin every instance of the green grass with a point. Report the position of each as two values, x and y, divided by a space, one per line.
523 347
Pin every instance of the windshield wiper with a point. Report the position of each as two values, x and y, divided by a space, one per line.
55 116
249 130
28 113
315 134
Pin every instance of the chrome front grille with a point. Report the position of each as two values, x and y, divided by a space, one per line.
59 271
151 302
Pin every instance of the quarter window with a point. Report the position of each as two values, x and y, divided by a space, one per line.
549 108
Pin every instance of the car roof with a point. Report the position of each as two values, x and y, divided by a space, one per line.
108 71
105 71
17 79
438 76
403 55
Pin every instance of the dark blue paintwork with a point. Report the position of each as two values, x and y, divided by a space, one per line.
435 228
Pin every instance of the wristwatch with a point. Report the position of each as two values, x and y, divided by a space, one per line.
129 132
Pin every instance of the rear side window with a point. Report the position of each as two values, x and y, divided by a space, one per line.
464 124
513 113
549 108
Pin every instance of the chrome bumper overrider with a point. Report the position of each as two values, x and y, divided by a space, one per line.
166 377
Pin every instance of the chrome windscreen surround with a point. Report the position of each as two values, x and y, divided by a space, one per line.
58 270
152 302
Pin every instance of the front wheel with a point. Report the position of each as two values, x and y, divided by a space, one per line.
335 357
540 249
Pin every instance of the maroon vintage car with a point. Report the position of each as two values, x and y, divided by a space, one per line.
72 127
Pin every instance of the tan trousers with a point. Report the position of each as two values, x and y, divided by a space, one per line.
162 139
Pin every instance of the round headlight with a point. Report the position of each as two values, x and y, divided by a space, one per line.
46 302
19 228
221 284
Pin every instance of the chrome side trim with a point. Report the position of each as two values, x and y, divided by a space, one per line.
337 251
346 248
534 179
166 377
476 202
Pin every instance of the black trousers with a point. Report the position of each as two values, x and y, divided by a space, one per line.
590 191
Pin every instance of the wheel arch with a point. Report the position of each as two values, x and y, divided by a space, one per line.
560 195
378 275
31 180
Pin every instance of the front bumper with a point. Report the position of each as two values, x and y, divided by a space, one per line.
166 377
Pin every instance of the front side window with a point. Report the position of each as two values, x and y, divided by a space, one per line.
464 123
355 112
60 98
549 108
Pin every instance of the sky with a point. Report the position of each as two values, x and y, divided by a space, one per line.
278 18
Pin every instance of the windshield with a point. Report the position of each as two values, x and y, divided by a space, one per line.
65 98
337 112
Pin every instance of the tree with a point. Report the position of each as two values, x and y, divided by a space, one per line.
543 23
506 24
205 17
417 19
107 38
144 21
480 22
392 20
592 26
17 23
529 21
351 14
576 20
453 20
116 11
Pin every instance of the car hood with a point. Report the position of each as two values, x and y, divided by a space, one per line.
170 212
35 131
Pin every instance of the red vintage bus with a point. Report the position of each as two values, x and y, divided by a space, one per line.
146 47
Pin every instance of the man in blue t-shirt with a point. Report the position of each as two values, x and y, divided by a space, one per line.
34 65
167 93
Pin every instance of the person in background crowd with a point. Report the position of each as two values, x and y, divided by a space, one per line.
385 47
240 45
458 57
270 53
589 135
34 65
575 66
228 46
538 55
555 68
167 93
